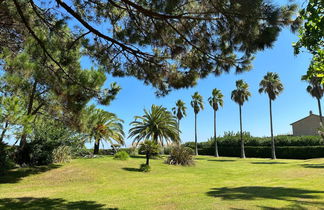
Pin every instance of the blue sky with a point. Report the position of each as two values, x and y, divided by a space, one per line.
294 103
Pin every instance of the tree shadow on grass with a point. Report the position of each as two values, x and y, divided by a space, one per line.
48 203
313 165
15 175
132 169
138 156
295 195
268 163
289 207
223 160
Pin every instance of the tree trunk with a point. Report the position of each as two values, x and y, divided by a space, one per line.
4 131
216 147
96 147
320 110
179 131
196 146
147 159
242 141
273 150
23 150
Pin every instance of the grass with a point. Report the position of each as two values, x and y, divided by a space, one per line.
223 183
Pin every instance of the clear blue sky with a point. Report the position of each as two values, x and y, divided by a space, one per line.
294 103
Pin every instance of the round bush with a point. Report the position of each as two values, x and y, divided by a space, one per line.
121 155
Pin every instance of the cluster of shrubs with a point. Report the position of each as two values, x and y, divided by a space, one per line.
178 154
288 147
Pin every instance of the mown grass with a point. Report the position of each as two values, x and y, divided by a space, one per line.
223 183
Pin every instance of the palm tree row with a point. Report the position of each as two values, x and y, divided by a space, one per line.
270 85
159 126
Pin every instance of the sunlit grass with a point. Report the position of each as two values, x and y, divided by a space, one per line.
223 183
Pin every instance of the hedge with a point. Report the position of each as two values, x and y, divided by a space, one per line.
266 141
286 152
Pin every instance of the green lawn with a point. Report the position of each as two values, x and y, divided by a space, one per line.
224 183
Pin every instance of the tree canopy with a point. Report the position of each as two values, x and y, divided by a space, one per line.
168 44
312 37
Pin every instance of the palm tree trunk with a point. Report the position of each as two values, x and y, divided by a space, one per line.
320 110
179 131
273 150
196 146
147 159
242 141
96 147
216 147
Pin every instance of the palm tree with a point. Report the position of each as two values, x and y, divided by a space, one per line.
215 101
158 125
197 104
179 111
316 90
101 125
240 95
271 85
149 148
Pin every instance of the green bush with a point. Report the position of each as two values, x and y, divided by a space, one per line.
181 155
62 154
121 155
145 168
48 136
5 162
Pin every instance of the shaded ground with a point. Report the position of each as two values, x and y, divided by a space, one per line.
15 175
47 203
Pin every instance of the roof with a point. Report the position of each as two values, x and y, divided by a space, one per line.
306 118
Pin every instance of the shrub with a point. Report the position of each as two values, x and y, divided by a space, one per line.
5 162
46 137
145 168
121 155
181 155
62 154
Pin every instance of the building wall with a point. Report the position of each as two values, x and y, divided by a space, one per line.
307 127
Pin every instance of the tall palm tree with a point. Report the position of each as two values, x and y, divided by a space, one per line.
240 95
157 124
316 90
101 125
271 85
179 111
215 101
197 104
